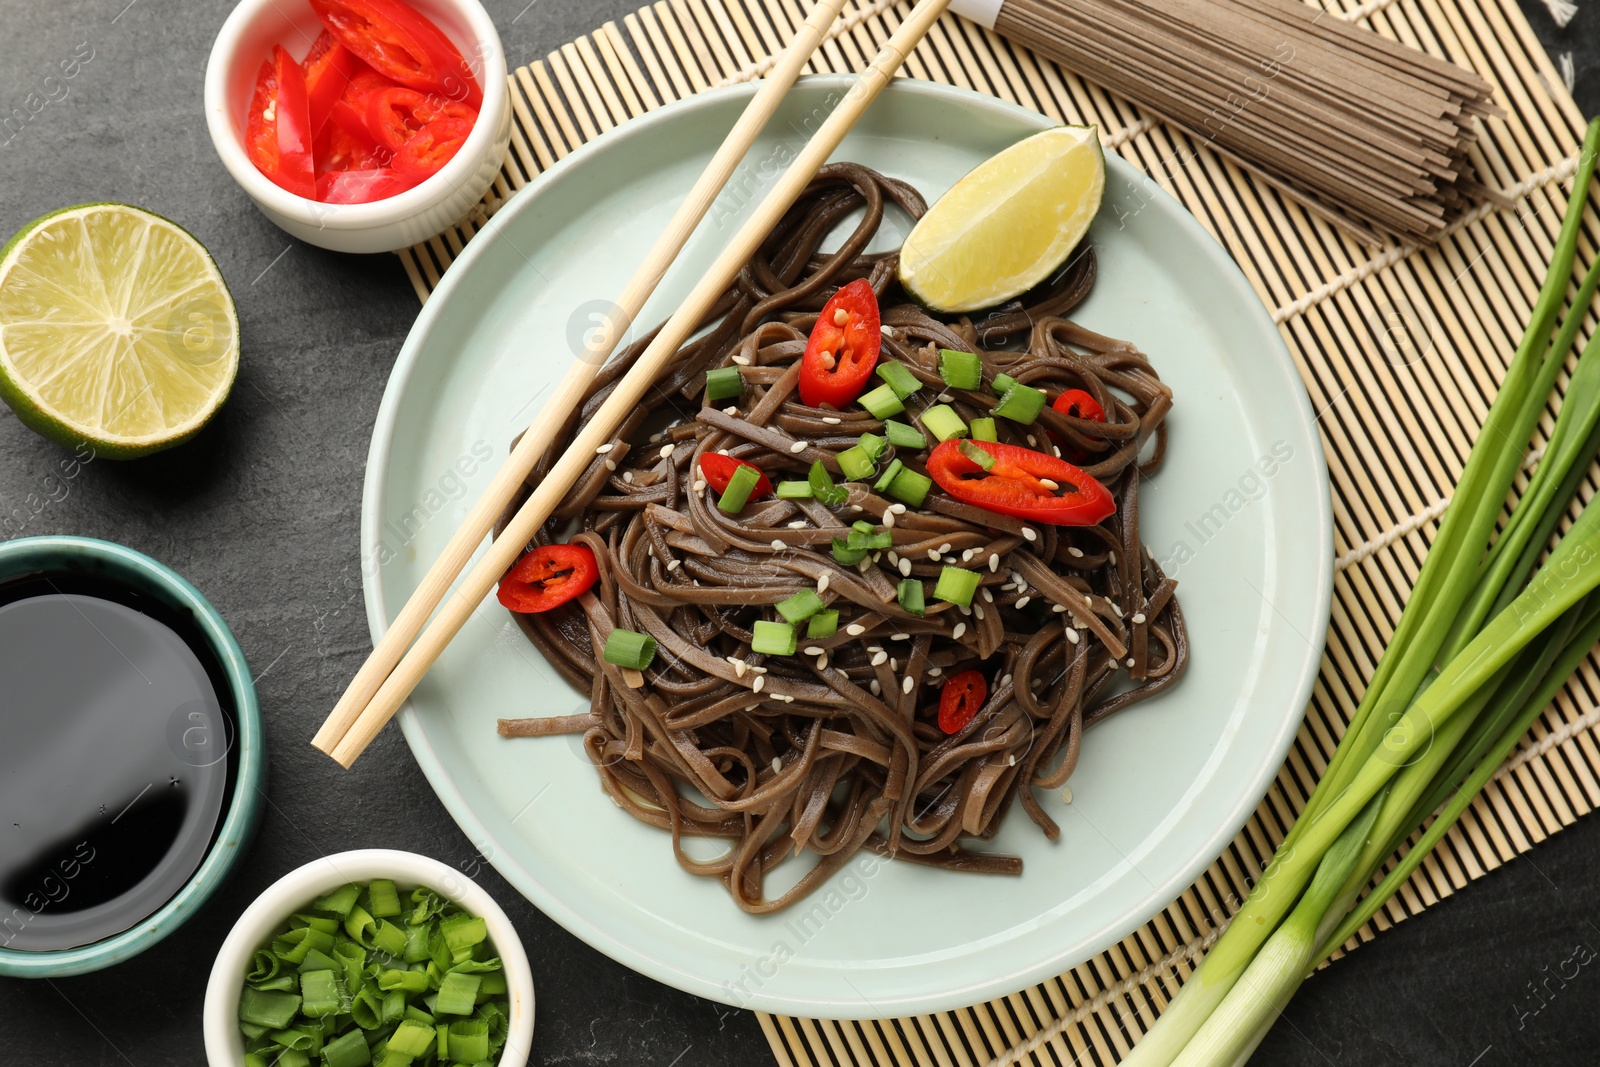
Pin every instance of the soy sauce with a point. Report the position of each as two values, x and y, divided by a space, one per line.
116 729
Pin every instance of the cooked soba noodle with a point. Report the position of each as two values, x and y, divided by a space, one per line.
836 749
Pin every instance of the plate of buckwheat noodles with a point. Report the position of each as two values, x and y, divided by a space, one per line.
829 720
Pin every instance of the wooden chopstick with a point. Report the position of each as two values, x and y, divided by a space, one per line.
569 393
627 394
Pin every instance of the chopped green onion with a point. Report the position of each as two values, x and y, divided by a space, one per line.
340 901
794 490
773 638
823 489
268 1008
801 606
899 378
910 488
847 554
464 931
864 526
1002 384
889 474
978 455
902 435
742 483
823 624
882 402
943 422
347 1050
873 445
318 961
724 383
1021 403
910 596
960 370
404 981
383 900
469 1041
855 464
357 924
319 994
956 586
867 536
628 649
411 1038
457 992
983 430
389 938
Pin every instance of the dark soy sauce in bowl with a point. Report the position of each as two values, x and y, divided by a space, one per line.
116 728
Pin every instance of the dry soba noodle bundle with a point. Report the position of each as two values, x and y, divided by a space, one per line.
837 747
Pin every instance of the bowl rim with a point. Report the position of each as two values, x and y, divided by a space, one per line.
278 900
434 189
56 552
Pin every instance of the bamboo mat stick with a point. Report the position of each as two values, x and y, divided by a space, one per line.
570 391
630 391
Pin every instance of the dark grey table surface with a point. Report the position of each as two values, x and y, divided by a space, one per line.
260 512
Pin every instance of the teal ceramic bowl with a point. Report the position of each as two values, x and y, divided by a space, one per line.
86 558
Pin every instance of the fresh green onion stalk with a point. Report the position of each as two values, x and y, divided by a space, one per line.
1480 650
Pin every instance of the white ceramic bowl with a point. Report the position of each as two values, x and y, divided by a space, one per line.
298 888
246 39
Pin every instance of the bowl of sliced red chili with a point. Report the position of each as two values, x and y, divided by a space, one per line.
360 125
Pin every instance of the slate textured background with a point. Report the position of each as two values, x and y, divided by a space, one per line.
260 512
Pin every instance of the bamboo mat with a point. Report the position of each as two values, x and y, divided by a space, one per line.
1422 335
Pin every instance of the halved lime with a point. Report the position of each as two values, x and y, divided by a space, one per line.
1008 224
116 328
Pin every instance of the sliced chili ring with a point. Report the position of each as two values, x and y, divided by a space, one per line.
843 348
960 699
548 577
717 469
1021 483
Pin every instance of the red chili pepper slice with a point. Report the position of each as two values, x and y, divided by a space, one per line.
336 150
1076 404
718 468
1018 484
396 113
350 110
963 694
360 186
840 356
431 148
329 67
401 43
548 577
278 128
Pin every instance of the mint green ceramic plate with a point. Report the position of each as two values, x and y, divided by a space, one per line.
1240 514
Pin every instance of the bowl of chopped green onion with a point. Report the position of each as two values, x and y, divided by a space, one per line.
371 957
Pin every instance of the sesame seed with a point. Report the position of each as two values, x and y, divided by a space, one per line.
1032 441
894 558
888 520
898 509
1058 608
674 564
779 543
855 507
866 564
945 398
758 670
699 485
1005 680
731 409
1022 601
1115 609
1057 450
797 447
988 597
666 451
894 664
822 582
1075 553
994 564
1072 635
905 568
813 650
822 661
855 629
966 556
961 628
879 659
1130 661
611 464
656 437
798 524
1066 793
944 547
1011 761
934 672
840 316
627 476
1138 619
977 611
1049 483
757 685
887 331
963 609
831 420
743 361
899 637
739 666
603 449
877 690
907 685
933 554
777 764
1112 556
874 648
1030 533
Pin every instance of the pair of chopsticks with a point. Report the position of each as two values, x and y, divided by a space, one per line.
407 650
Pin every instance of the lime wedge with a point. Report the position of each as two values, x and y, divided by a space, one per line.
1008 224
116 328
